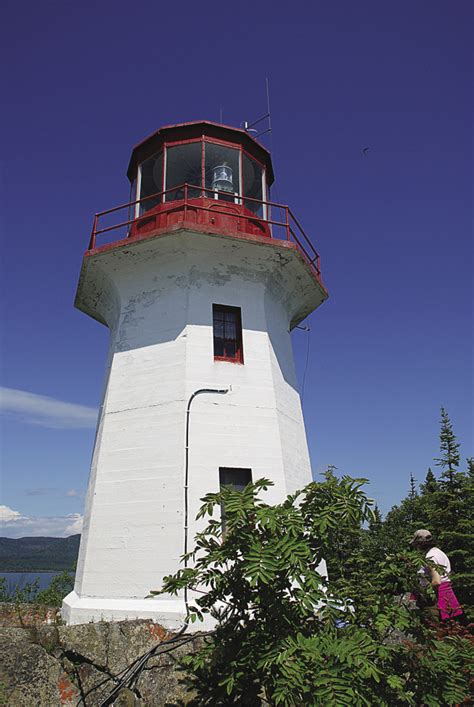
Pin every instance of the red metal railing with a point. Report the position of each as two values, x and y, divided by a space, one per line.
285 228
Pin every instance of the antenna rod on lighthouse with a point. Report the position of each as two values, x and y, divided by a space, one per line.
267 116
268 106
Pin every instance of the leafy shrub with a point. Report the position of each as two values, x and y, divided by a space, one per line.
58 588
30 592
285 635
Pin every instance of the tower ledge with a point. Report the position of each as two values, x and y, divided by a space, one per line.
283 262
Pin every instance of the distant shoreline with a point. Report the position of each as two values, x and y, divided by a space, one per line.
39 554
72 571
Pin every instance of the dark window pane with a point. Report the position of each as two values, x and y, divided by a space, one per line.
219 347
230 315
151 182
236 479
252 180
230 349
183 166
230 330
222 172
219 328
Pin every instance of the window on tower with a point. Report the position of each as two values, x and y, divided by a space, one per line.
227 328
236 479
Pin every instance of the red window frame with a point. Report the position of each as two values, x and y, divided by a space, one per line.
227 333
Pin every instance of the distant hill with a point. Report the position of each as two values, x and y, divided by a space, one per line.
24 554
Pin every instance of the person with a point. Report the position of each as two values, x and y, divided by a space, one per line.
446 600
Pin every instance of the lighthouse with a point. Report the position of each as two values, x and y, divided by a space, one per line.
200 279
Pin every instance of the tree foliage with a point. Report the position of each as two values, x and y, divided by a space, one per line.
30 593
445 506
449 447
287 635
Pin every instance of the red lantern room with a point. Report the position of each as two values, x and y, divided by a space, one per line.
206 178
215 175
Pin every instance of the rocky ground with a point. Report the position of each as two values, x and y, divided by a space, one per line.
46 664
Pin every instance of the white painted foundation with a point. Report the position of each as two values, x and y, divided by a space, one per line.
156 297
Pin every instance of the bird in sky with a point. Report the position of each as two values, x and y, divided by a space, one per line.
365 151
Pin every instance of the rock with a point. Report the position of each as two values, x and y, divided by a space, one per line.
47 665
23 615
95 685
110 646
126 698
29 675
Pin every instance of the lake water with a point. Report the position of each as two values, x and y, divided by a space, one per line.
19 579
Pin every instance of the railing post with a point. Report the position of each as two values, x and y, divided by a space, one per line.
287 224
185 199
93 234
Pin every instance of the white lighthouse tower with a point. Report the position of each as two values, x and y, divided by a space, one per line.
200 280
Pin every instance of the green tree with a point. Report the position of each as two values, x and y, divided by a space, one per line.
403 519
470 466
445 506
413 490
374 546
450 510
430 485
58 588
375 523
449 447
285 635
30 593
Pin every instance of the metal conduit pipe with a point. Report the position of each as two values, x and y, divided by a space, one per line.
131 673
200 391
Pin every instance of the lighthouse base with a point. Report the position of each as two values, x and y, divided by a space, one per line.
169 613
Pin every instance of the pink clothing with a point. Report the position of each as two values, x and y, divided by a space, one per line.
447 603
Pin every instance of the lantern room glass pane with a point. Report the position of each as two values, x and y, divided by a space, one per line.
151 182
222 170
252 174
133 207
183 166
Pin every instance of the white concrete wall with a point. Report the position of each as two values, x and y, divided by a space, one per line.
161 352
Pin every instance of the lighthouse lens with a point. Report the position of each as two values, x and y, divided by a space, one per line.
222 178
222 172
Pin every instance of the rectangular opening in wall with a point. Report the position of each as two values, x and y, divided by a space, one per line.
227 329
236 479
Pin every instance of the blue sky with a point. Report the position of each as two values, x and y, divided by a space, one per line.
394 341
